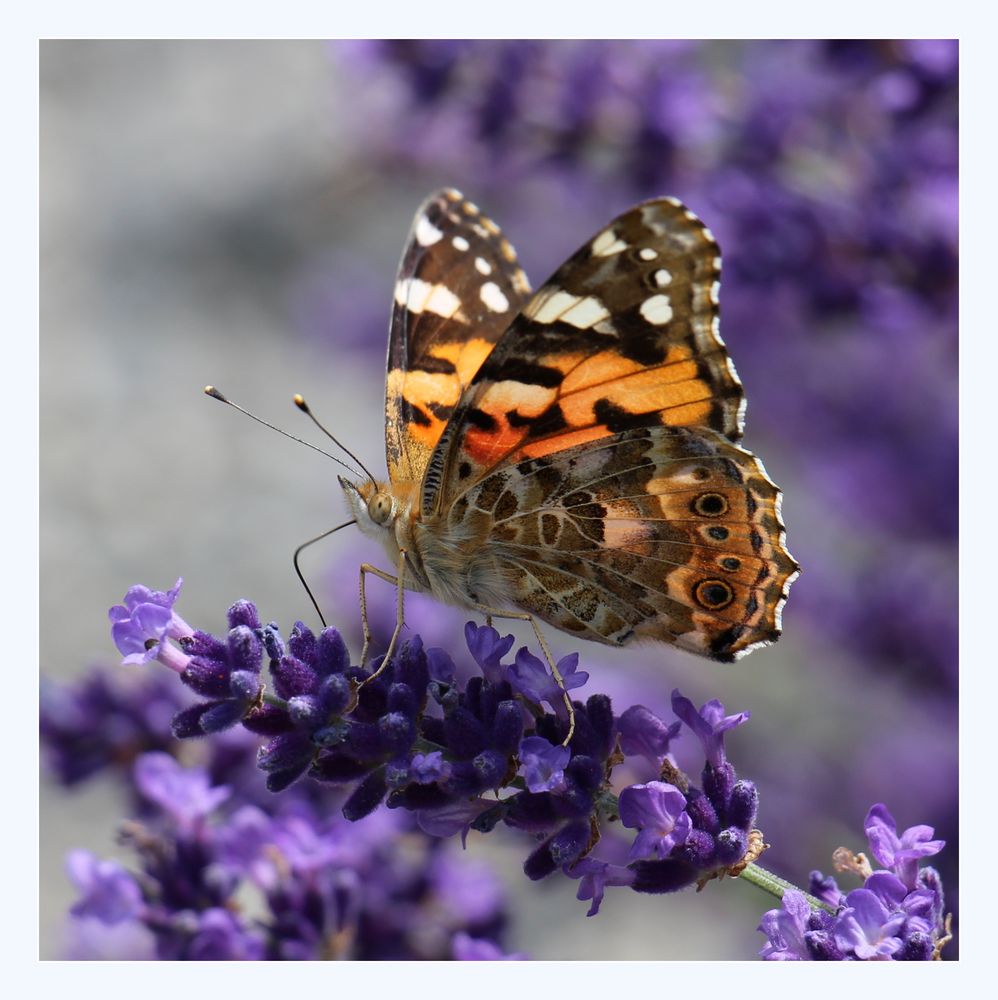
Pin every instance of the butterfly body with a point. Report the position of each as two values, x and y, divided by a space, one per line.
573 454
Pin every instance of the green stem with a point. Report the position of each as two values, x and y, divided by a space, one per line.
777 886
272 699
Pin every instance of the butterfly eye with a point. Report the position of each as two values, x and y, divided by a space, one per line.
380 508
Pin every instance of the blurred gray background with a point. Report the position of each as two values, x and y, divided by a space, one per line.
192 194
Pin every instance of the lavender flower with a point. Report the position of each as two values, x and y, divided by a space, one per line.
543 764
142 624
900 854
530 677
887 919
644 733
658 811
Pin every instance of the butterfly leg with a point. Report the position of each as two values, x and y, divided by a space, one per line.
523 616
399 582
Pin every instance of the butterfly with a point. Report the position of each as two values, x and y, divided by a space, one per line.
571 455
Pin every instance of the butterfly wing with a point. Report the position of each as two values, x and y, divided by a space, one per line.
593 458
660 532
623 335
457 290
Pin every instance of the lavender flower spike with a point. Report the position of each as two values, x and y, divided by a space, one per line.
142 624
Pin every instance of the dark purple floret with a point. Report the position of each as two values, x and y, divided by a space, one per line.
743 805
366 797
285 758
670 875
243 613
731 845
701 812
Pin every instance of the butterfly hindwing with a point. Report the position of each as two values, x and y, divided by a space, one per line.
657 533
623 335
457 290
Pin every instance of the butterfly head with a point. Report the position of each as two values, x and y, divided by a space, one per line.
373 505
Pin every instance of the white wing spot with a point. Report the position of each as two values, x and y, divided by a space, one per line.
491 294
692 216
674 201
482 266
548 308
422 296
647 253
607 244
657 310
470 208
460 243
490 226
663 278
426 233
715 292
585 313
709 235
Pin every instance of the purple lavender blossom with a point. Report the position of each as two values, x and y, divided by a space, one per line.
785 929
487 648
543 764
594 876
642 733
142 624
531 678
867 928
658 811
709 724
900 854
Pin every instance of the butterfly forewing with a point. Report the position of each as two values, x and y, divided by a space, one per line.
623 335
458 288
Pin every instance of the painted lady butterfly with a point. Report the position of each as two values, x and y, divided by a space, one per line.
571 455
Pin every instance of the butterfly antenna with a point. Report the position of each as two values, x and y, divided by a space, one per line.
303 406
301 576
210 390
